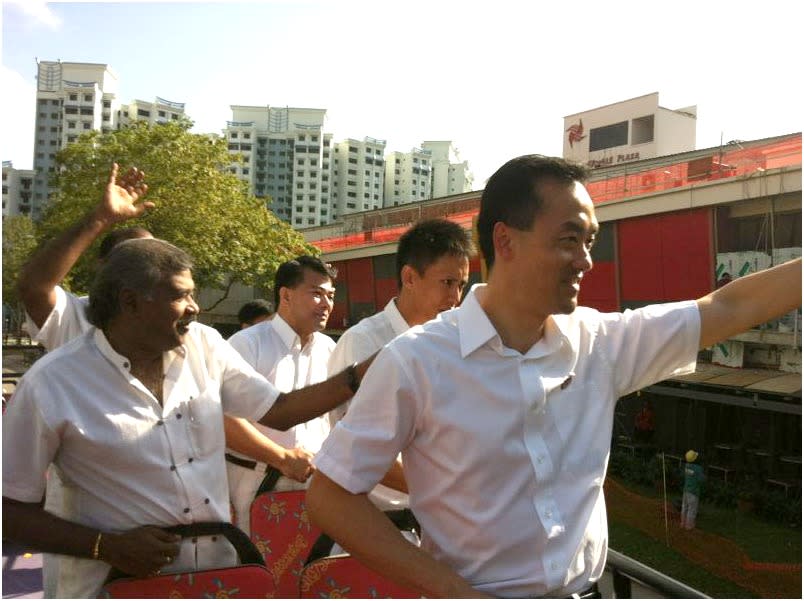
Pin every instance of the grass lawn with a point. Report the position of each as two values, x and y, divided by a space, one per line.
761 540
655 554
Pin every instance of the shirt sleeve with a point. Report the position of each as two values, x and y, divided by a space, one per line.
244 392
29 446
381 422
352 347
66 321
652 343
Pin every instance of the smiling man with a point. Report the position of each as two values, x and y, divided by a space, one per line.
291 352
503 408
131 415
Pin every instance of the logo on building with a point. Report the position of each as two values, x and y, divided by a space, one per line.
575 132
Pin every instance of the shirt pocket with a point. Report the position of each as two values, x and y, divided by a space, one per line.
583 421
205 423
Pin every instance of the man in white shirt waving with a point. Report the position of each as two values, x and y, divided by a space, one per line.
432 267
130 413
503 408
291 352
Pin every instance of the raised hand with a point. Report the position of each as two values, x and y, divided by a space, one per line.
122 195
141 552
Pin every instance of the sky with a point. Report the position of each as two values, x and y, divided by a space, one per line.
495 77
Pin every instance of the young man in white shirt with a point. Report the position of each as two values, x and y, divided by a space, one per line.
432 267
130 413
503 407
291 352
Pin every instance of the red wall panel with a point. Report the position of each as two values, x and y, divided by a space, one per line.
360 281
384 290
665 257
599 287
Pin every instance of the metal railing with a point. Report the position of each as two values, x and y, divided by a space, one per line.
626 571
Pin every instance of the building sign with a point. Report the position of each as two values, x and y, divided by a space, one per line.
575 132
613 160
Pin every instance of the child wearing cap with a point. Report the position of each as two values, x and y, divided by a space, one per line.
693 479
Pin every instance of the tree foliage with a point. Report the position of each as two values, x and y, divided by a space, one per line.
19 240
200 206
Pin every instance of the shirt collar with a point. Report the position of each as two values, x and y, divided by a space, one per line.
286 334
475 329
119 360
398 323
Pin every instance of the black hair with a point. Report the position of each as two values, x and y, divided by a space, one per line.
115 237
291 273
429 240
512 194
254 309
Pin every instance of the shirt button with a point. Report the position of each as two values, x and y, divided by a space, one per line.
549 514
186 510
206 501
159 423
178 416
540 459
190 460
172 468
125 364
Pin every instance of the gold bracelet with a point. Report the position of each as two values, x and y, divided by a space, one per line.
96 546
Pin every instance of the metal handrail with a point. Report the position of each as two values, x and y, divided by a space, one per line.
625 570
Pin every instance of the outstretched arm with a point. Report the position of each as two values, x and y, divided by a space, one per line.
365 532
49 265
243 437
748 301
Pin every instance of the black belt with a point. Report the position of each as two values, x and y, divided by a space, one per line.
591 592
246 463
271 473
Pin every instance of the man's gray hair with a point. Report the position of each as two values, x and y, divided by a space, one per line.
140 264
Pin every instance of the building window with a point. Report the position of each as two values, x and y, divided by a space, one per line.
143 113
73 96
87 97
609 136
161 113
642 130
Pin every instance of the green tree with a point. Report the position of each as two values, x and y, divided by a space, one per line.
19 240
200 205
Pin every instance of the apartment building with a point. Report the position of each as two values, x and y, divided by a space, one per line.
17 190
71 98
450 175
358 172
285 155
407 177
158 111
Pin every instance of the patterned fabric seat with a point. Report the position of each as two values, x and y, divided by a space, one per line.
282 532
343 577
240 582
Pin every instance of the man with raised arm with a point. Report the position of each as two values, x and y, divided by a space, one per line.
55 316
503 408
131 415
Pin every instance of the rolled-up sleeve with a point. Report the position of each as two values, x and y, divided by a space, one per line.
381 421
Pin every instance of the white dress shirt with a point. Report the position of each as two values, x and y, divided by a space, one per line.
361 341
67 320
274 349
124 459
505 454
357 344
